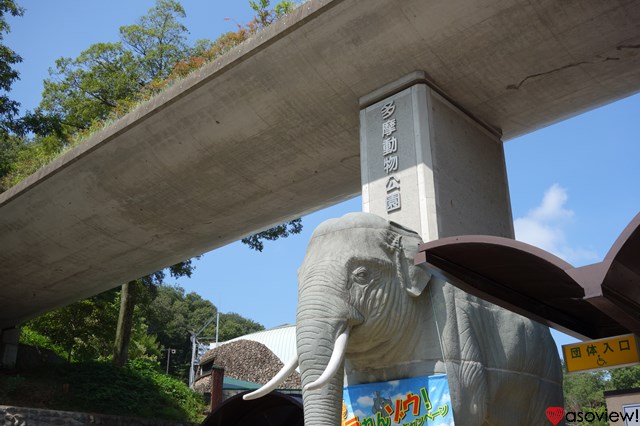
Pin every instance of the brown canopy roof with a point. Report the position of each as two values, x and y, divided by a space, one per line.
594 301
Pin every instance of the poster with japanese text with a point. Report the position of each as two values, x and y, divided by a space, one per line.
417 401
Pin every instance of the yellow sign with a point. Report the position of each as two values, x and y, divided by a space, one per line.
601 354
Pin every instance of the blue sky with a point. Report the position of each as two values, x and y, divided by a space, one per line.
574 185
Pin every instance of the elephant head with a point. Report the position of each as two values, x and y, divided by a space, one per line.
355 288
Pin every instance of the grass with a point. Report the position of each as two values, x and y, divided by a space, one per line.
138 389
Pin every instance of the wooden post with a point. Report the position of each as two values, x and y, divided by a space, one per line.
217 380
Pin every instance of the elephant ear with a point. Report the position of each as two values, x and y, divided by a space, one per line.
413 278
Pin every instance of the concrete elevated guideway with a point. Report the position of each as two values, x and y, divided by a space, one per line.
270 131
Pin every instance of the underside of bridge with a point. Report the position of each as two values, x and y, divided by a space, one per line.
270 131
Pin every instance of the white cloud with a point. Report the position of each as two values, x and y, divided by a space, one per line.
544 227
552 206
365 401
360 414
445 399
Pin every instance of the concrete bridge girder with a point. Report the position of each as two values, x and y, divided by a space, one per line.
270 131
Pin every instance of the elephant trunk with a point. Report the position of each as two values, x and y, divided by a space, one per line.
320 322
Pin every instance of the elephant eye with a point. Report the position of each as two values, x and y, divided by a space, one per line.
361 274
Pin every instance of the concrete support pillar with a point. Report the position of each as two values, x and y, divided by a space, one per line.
9 340
429 166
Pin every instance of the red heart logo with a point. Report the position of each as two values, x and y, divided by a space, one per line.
555 414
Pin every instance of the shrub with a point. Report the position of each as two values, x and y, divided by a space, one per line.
33 338
139 389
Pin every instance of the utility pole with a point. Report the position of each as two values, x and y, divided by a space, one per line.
169 352
194 341
192 372
217 326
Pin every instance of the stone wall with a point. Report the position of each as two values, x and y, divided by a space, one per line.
19 416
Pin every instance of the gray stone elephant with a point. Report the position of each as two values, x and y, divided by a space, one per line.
366 310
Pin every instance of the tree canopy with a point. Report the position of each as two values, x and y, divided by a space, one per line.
584 392
8 74
10 145
106 78
163 319
91 86
130 295
158 40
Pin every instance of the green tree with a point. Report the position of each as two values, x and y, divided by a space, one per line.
158 39
163 317
256 241
107 78
8 75
234 325
265 16
10 147
129 296
625 378
89 87
10 144
25 157
172 314
585 390
84 329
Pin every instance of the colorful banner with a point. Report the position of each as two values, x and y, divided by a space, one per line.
418 401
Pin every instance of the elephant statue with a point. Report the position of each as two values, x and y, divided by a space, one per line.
366 313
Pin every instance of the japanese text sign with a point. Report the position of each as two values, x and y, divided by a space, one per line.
417 401
601 354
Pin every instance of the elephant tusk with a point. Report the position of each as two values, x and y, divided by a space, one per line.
334 364
275 381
